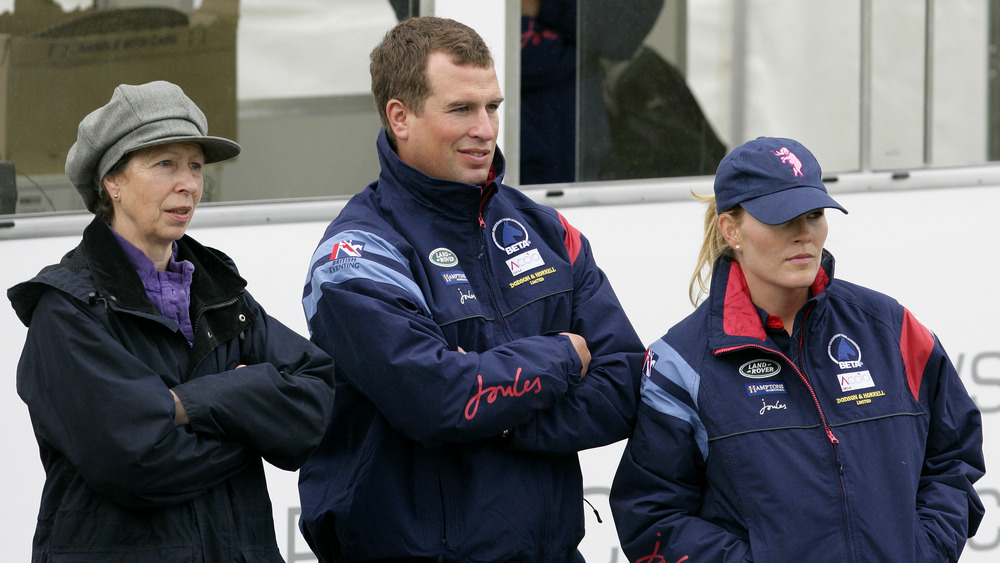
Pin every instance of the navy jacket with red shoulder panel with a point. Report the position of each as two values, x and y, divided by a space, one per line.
854 441
460 408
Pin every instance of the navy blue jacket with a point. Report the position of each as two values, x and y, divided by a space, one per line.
123 481
459 408
854 440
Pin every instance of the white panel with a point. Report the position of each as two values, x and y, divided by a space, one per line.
924 247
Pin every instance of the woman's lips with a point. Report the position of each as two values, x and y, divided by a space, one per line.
801 259
180 213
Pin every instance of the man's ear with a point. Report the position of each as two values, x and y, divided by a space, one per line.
399 118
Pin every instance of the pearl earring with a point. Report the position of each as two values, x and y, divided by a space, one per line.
737 247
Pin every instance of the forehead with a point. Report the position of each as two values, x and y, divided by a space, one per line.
460 82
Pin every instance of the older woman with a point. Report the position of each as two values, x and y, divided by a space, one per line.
154 381
792 416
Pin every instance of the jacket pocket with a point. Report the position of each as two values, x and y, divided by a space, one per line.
925 546
108 533
160 555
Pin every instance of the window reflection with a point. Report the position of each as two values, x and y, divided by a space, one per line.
963 101
610 90
299 103
599 103
60 62
795 80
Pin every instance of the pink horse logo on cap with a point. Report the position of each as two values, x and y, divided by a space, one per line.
789 158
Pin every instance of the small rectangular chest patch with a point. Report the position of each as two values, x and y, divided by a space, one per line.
754 389
855 380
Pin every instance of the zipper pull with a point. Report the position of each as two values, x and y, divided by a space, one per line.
484 194
829 434
599 521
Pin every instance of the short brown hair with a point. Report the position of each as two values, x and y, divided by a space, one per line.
399 63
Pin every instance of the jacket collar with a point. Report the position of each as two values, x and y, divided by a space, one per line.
407 185
113 278
734 319
113 273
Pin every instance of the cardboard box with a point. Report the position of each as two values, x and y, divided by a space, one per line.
57 67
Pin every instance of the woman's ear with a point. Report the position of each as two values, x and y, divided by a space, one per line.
399 118
110 185
729 229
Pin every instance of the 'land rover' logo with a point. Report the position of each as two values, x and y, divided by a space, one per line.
443 257
760 369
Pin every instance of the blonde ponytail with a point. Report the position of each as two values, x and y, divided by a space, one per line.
713 245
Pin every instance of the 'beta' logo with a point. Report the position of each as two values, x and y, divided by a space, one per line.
844 352
510 236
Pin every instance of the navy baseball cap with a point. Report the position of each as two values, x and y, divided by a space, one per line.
774 179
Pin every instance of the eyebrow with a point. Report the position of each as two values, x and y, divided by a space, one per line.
462 103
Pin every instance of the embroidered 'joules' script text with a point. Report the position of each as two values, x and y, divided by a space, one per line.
492 393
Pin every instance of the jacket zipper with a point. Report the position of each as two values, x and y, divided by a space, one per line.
484 260
485 194
826 426
444 517
840 465
206 308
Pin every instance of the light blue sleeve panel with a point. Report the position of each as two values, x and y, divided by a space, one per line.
354 254
670 386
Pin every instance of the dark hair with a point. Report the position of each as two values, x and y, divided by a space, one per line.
399 63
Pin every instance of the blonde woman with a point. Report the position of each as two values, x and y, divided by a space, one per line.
794 416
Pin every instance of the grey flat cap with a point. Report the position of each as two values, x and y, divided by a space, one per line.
137 117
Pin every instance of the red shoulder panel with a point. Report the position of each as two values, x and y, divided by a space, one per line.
916 344
572 239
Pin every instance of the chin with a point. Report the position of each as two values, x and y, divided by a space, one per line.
476 180
176 235
806 283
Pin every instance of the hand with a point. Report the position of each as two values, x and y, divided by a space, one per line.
581 349
180 415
